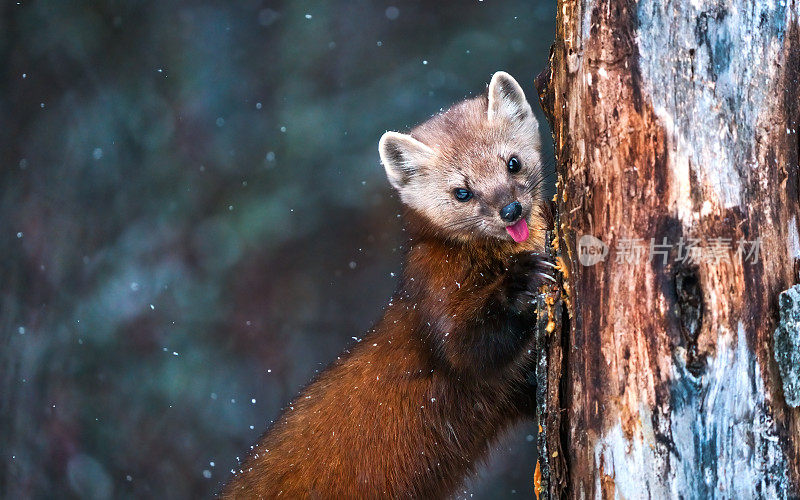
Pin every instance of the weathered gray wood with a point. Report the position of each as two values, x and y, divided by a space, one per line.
677 119
787 345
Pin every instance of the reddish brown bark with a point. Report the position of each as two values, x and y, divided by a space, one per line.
670 383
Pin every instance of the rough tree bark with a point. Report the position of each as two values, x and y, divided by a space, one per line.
675 119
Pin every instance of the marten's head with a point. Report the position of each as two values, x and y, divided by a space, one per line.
475 170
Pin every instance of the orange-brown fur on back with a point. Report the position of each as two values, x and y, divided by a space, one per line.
408 411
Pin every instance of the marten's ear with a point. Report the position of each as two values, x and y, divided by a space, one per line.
402 157
506 99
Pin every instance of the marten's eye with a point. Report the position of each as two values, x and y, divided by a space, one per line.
514 165
462 194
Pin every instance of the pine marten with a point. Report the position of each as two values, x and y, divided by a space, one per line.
409 410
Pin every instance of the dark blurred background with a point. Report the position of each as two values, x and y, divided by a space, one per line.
194 220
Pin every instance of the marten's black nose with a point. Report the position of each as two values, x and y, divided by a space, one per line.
511 212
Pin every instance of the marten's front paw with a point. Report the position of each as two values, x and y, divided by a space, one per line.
526 273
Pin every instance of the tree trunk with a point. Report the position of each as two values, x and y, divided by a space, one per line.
677 370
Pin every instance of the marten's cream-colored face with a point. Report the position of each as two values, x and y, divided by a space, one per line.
474 170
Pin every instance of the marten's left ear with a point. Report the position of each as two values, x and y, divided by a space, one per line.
402 157
506 99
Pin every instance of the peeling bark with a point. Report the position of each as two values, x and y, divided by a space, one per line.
550 467
675 120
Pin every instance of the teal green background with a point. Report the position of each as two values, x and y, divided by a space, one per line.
194 221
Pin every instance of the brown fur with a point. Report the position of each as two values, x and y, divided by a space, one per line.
408 411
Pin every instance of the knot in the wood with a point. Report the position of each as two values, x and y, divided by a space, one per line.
690 314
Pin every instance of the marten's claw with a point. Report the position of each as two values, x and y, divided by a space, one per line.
526 273
547 276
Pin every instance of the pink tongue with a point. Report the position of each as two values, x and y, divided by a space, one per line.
519 231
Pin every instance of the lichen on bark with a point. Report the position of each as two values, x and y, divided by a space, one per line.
787 345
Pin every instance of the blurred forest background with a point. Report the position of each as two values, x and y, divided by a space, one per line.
194 219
